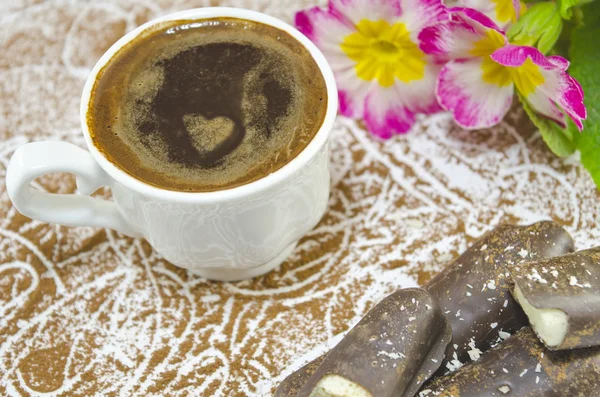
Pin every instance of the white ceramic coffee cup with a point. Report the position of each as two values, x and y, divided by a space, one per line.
229 234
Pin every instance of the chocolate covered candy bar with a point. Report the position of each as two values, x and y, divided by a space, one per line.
474 290
474 294
294 382
561 297
392 351
522 367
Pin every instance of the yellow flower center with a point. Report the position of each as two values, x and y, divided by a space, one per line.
525 77
384 51
488 44
505 11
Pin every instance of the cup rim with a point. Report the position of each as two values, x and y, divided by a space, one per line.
274 178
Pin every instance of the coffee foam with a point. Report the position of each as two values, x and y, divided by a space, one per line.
282 105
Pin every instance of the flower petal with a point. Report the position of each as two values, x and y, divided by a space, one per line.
514 56
559 62
572 100
555 86
357 10
559 89
324 28
327 29
516 4
502 12
473 102
352 92
391 110
468 33
546 107
418 14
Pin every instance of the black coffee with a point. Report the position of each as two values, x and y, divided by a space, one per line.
207 105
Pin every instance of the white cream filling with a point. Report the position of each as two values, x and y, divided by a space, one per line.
337 386
551 325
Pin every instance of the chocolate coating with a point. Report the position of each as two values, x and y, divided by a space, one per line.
474 290
522 367
486 260
570 283
294 382
392 351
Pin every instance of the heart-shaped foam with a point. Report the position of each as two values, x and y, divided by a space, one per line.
207 134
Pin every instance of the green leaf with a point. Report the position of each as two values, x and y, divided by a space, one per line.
564 7
585 67
548 40
540 26
560 141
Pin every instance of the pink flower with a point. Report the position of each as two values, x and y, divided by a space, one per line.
372 45
502 12
478 83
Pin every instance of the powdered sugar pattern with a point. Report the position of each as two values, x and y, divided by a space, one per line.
90 312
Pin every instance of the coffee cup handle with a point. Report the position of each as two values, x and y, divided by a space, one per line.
35 159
